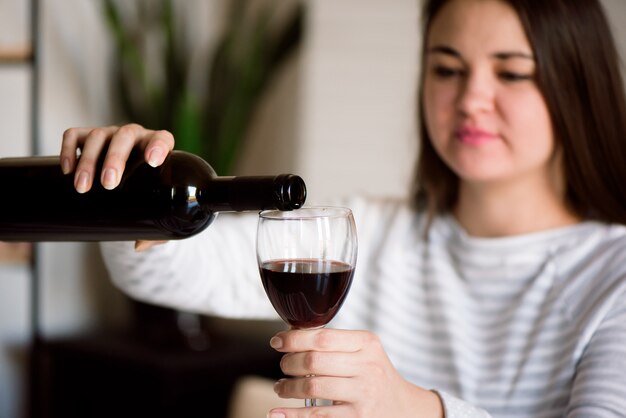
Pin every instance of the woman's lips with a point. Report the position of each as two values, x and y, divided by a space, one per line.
475 136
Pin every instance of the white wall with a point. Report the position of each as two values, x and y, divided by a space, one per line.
357 133
347 104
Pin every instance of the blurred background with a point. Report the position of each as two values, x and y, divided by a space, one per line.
322 88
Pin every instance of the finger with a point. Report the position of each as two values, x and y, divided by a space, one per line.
158 145
73 138
121 145
336 364
335 411
86 167
317 387
144 245
325 339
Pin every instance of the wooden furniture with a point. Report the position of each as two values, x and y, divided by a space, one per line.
122 376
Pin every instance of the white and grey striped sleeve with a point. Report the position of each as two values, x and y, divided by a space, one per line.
214 272
599 388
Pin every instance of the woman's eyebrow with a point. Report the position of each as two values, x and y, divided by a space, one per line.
443 49
512 54
503 55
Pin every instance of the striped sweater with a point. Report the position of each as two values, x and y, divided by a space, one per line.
523 326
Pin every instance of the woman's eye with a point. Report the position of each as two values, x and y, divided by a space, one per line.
446 72
511 76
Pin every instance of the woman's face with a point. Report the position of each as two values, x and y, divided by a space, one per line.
483 110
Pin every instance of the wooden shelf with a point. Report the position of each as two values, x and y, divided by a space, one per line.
15 55
15 253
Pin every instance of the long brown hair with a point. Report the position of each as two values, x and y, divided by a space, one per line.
578 73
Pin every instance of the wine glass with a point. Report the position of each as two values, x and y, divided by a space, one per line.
307 258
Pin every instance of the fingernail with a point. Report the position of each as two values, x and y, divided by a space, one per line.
277 384
81 182
276 342
65 166
275 415
155 157
109 178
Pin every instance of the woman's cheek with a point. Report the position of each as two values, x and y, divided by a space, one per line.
439 109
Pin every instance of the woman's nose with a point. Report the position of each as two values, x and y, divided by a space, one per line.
476 95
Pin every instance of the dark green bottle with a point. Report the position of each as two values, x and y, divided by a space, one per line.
173 201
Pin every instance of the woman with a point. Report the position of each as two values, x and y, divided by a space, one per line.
502 291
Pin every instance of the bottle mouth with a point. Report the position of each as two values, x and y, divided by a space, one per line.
292 191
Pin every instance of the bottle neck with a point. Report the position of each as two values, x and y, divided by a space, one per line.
228 194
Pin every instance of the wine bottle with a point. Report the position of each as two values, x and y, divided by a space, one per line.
173 201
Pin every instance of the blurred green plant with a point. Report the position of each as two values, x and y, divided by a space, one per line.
211 123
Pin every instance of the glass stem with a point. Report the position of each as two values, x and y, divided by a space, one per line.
310 402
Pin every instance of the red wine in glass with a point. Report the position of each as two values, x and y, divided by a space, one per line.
306 293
